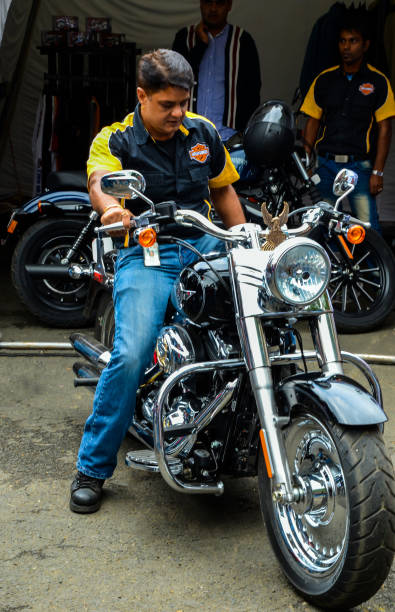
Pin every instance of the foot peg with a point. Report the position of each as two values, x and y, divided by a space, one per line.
146 460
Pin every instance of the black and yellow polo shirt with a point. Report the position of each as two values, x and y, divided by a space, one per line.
349 109
183 170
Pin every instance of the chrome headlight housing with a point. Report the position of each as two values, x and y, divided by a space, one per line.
298 271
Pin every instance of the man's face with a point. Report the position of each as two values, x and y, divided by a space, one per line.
352 47
164 111
215 12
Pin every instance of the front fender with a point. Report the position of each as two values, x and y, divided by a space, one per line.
339 396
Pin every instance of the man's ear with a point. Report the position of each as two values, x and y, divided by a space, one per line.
366 45
141 95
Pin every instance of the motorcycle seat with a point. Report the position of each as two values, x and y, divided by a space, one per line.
67 180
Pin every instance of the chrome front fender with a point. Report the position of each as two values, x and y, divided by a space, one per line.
339 396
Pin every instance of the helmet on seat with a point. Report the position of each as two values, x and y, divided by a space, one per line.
269 137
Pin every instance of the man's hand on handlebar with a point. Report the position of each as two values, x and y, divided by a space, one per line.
114 214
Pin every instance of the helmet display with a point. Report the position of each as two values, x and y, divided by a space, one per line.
270 134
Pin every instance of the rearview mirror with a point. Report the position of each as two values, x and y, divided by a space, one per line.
345 181
123 184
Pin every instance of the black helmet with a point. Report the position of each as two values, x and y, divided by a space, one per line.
270 134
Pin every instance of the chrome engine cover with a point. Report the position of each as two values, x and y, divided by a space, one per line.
174 348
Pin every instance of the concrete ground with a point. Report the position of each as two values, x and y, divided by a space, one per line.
148 548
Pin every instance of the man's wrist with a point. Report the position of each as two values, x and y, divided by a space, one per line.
377 172
111 206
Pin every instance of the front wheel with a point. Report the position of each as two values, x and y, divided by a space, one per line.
336 545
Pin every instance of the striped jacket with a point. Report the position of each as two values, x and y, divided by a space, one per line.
242 72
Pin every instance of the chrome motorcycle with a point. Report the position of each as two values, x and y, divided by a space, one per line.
229 393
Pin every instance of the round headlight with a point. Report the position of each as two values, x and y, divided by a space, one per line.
298 271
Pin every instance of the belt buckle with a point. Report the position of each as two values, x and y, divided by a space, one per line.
341 159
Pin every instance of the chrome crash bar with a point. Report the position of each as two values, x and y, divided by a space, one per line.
162 452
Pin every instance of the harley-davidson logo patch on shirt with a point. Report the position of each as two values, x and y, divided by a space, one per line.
366 88
199 152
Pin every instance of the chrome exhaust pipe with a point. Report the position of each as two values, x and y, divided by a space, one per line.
91 349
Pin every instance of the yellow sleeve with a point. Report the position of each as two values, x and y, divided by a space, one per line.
310 106
100 155
227 176
387 109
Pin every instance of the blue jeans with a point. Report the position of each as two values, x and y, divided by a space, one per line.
140 297
363 204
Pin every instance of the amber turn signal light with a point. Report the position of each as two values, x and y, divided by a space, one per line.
356 234
147 237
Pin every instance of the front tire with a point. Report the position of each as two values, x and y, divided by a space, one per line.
337 549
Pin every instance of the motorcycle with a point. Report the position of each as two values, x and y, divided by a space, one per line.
361 285
53 229
229 393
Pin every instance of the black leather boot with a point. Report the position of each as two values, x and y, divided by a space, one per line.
86 494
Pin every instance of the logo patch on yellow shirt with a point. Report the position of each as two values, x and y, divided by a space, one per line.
199 152
366 88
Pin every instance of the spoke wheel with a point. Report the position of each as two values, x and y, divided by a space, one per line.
361 285
344 514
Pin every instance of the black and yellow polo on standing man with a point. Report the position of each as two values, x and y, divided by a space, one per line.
349 109
183 170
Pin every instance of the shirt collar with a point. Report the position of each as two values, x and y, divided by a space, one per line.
142 134
363 69
140 131
221 33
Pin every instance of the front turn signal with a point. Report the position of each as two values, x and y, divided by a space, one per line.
147 237
356 234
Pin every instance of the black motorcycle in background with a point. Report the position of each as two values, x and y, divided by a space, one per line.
362 287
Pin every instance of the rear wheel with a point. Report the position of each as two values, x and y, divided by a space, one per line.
336 546
361 287
57 302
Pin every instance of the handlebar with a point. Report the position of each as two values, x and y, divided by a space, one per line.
190 218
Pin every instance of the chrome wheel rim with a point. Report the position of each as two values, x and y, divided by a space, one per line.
315 530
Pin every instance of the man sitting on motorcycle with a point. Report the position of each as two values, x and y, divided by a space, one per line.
182 159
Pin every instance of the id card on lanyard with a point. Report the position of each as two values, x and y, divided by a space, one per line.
151 255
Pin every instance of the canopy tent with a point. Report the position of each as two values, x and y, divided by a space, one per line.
280 29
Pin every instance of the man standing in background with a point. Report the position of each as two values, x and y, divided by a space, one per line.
226 68
350 107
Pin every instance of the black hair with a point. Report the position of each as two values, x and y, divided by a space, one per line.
356 19
164 68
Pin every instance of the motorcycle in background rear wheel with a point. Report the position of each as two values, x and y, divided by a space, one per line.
56 302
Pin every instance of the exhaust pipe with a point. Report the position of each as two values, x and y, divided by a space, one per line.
95 352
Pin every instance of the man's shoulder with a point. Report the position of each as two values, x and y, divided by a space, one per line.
185 31
328 72
196 121
119 126
376 73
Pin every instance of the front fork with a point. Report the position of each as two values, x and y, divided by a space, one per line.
258 364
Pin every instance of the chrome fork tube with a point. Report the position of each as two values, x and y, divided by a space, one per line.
326 344
259 368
